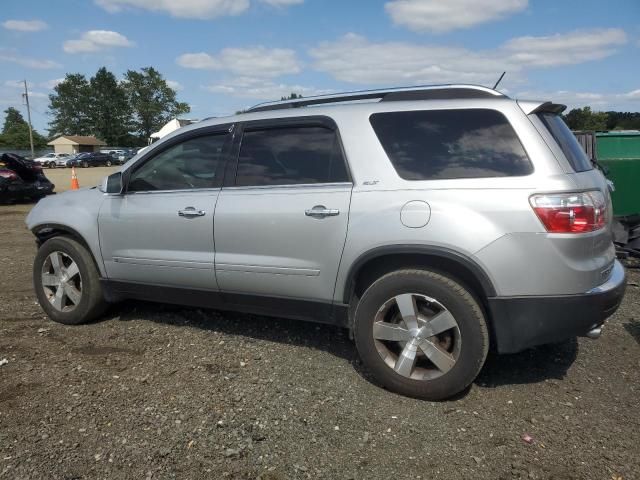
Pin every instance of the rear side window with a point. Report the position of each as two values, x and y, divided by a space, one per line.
444 144
567 142
290 156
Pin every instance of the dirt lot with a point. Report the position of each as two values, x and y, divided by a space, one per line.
155 391
87 177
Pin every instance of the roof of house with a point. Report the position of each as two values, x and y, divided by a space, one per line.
76 140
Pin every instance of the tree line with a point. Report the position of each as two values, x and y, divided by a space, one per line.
586 119
123 113
119 112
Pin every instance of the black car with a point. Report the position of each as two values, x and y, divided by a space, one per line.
22 179
91 159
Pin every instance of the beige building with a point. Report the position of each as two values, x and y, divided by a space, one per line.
76 144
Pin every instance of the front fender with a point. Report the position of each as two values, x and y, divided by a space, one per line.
73 212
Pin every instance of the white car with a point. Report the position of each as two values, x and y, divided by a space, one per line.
53 160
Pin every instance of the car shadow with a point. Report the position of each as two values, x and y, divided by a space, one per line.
531 366
328 338
633 328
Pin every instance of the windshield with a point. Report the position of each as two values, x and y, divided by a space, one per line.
567 142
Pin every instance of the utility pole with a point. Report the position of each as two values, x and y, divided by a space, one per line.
26 99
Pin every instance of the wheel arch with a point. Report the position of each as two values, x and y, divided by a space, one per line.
382 260
47 231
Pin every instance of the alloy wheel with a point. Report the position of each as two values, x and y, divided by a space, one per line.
416 336
61 281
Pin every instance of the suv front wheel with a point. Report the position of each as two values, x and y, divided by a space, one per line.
421 334
67 282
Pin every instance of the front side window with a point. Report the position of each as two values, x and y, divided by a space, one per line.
445 144
188 165
290 156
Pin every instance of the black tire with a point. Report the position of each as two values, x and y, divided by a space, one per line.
91 304
85 164
472 333
52 164
108 163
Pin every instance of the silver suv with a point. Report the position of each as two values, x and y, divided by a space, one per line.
434 223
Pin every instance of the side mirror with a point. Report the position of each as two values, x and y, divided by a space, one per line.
112 184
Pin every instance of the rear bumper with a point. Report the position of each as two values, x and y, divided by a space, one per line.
522 322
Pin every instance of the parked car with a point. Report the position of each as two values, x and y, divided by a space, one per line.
91 159
52 160
433 223
22 179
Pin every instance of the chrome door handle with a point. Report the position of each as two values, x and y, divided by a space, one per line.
191 212
320 211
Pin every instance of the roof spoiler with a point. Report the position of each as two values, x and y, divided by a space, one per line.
531 106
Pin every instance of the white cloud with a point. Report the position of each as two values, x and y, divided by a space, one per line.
250 62
282 3
25 25
352 58
51 84
181 8
96 40
438 16
19 84
28 62
626 101
259 89
177 86
200 61
199 9
564 49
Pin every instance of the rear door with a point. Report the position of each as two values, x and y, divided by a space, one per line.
281 219
160 231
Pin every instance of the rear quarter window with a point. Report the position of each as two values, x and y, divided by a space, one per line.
447 144
566 140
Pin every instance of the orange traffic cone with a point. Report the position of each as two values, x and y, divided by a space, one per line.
74 179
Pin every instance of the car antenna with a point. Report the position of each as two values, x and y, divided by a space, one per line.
499 80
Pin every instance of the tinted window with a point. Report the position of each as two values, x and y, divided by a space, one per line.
440 144
290 156
191 164
567 142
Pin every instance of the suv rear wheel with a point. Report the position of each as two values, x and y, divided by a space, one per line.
67 282
421 334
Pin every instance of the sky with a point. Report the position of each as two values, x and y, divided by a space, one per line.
225 55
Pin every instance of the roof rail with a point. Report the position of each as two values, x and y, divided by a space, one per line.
422 92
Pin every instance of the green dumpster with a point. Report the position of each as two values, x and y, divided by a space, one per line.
619 153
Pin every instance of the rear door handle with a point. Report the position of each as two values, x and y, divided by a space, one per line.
189 212
320 211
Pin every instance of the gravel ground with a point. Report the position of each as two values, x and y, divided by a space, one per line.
155 391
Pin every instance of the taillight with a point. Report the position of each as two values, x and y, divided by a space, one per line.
8 174
571 212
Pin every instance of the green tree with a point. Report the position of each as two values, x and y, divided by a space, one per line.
293 96
108 109
152 101
69 107
623 121
13 118
15 132
586 119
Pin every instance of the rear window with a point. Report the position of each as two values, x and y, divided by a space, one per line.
567 142
445 144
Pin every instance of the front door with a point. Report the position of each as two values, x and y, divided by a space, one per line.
160 231
280 227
